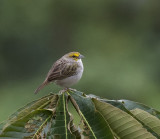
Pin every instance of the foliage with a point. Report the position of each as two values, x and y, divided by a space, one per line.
119 37
49 117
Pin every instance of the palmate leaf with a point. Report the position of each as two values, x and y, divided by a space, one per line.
49 118
93 119
53 121
124 125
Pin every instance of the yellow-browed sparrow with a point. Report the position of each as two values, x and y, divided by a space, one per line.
65 72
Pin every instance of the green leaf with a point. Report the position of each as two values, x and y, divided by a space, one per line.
59 126
93 119
130 105
23 114
73 129
71 126
49 118
38 104
123 124
148 119
28 126
118 104
115 103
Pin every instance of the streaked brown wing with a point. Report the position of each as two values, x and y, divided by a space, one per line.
61 70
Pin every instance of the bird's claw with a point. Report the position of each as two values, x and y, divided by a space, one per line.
71 89
66 89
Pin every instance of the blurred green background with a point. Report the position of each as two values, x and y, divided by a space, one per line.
119 39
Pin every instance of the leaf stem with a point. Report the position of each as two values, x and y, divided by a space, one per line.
65 119
68 93
81 114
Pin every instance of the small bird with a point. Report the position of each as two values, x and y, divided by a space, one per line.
65 72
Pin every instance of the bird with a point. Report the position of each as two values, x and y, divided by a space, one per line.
65 72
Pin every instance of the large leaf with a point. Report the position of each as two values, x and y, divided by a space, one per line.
119 104
93 119
123 124
20 123
59 127
101 118
38 104
148 119
130 105
28 126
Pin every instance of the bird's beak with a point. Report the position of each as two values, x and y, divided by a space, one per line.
80 57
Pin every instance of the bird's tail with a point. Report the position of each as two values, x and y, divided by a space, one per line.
40 87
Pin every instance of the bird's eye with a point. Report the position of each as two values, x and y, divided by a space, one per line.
74 56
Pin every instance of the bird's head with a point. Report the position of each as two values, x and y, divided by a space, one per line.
74 56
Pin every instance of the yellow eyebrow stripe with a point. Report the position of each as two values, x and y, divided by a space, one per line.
74 54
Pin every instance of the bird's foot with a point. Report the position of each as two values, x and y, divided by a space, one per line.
62 91
66 89
72 89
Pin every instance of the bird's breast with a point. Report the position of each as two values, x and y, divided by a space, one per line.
69 81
